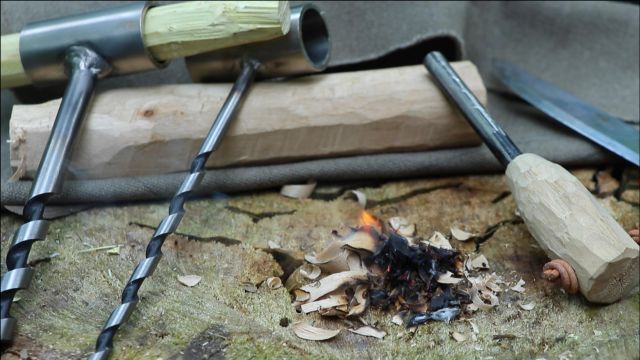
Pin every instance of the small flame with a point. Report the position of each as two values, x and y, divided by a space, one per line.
369 221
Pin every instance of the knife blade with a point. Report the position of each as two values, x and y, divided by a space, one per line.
600 127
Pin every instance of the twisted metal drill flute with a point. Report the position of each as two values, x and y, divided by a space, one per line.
176 210
111 43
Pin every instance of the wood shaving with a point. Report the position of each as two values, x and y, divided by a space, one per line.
402 226
249 287
298 191
528 306
447 278
458 337
361 197
461 235
114 251
310 271
274 283
480 262
363 240
369 331
397 319
189 280
306 331
359 301
519 286
440 241
332 282
273 245
474 327
330 302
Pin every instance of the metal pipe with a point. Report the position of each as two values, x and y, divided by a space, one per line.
455 89
84 67
168 225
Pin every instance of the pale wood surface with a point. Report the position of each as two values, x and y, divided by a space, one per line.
159 129
183 29
570 224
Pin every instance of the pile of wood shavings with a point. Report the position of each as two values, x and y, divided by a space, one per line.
382 266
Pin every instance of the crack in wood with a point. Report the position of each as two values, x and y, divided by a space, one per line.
256 217
377 203
491 229
218 239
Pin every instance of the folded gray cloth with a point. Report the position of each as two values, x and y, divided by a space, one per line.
588 48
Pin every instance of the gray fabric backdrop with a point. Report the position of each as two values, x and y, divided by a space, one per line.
590 49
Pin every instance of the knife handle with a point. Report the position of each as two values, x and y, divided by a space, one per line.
570 224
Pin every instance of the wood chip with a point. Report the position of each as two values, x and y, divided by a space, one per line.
328 303
332 282
480 262
274 283
447 278
329 253
397 319
306 331
461 235
114 250
519 286
458 337
189 280
402 226
361 197
310 271
369 331
273 245
298 191
474 327
363 240
528 306
439 240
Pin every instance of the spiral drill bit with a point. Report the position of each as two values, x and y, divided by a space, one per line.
176 210
84 67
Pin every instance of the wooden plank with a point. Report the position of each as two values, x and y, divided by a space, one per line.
156 130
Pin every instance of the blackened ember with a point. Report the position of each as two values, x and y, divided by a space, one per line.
407 280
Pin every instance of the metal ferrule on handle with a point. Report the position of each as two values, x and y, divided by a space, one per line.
176 211
305 49
496 139
114 33
84 67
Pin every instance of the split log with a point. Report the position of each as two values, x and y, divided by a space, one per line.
183 29
155 130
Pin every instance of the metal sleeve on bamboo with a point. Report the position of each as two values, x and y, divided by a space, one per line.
169 224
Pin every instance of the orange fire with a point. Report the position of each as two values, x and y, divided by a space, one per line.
368 220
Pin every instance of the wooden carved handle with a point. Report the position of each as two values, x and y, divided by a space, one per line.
183 29
569 223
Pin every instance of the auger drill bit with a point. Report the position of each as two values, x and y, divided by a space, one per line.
176 210
84 67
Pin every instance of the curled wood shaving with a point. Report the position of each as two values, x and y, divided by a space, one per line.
306 331
402 226
397 319
361 197
519 286
359 301
189 280
528 306
363 240
332 282
458 337
447 278
274 283
330 302
461 235
369 331
480 262
354 262
298 191
310 271
479 303
439 240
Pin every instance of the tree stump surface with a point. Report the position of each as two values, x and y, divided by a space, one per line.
222 240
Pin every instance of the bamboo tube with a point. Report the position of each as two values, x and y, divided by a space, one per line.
156 130
183 29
